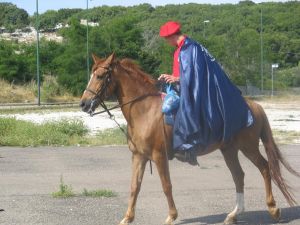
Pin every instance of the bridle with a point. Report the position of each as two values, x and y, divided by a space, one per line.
101 92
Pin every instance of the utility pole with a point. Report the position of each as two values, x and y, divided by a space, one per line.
261 53
87 44
38 54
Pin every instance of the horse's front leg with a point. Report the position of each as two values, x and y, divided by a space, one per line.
138 168
163 169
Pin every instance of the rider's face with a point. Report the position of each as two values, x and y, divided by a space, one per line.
172 40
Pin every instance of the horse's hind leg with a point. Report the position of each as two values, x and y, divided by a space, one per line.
261 163
232 162
138 168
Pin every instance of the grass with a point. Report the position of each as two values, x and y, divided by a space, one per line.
50 92
99 193
65 191
15 93
112 136
286 137
73 133
15 132
22 133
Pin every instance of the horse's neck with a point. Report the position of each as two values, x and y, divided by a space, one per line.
129 90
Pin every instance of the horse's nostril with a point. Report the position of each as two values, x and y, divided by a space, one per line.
81 104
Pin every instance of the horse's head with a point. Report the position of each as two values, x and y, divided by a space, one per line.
101 84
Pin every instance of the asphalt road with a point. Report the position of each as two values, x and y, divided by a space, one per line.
203 195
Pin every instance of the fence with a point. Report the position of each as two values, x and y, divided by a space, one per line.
255 91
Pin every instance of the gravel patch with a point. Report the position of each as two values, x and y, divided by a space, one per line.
284 117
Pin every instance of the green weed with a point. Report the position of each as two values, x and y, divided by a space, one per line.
113 136
99 193
65 191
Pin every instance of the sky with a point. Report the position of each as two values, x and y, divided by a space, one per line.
44 5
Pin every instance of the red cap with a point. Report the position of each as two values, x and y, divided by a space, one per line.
169 28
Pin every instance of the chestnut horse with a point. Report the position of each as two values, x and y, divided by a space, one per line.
149 138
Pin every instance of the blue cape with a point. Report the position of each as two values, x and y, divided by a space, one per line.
211 107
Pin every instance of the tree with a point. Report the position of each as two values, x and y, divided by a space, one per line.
71 62
232 36
11 17
14 64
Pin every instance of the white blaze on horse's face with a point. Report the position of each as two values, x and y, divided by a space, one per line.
97 89
100 85
96 81
89 84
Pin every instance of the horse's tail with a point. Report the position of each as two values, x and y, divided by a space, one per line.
274 160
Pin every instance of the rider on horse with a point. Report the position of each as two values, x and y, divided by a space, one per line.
211 107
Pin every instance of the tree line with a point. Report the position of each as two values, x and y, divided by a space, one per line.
232 33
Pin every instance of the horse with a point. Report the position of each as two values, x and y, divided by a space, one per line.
149 138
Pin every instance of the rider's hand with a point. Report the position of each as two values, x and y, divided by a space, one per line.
168 78
162 76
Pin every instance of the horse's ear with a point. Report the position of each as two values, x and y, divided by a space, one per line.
110 58
95 58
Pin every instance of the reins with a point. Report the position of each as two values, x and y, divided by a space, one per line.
101 91
106 109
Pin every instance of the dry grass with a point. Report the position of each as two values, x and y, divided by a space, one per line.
28 93
286 137
15 93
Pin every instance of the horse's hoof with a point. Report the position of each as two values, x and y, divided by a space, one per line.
229 220
275 213
170 220
125 221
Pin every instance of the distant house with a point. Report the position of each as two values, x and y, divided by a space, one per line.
60 26
28 35
91 24
2 30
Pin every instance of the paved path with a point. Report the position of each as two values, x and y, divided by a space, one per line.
203 195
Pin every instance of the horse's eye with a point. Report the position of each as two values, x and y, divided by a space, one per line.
100 77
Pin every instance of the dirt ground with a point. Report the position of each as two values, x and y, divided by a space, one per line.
203 195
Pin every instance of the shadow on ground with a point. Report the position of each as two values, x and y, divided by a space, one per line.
249 218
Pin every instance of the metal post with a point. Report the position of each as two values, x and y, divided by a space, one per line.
87 44
272 93
204 22
273 66
261 53
204 30
38 54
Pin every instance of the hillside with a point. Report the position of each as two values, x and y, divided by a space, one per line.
232 33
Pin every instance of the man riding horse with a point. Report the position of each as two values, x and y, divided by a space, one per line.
212 115
211 107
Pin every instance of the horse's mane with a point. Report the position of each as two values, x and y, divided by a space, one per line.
135 70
